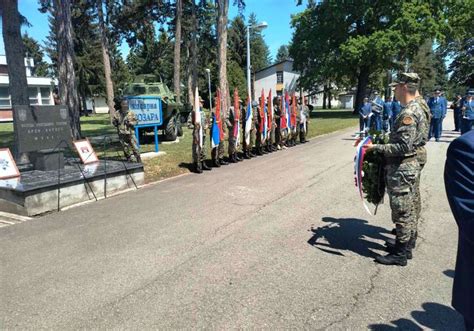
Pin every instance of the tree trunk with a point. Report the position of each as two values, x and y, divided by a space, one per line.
189 77
329 94
67 76
362 82
177 51
15 53
325 95
109 85
222 13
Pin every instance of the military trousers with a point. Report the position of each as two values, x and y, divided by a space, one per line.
130 146
199 154
401 182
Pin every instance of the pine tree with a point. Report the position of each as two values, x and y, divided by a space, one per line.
35 51
282 54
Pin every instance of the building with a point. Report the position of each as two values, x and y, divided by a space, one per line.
40 89
281 77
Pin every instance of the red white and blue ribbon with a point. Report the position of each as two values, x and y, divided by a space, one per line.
358 169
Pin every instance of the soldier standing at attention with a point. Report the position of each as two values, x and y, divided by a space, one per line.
468 112
199 154
303 119
436 105
402 167
253 130
125 121
232 127
457 112
365 113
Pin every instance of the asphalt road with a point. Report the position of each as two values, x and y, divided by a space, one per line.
280 241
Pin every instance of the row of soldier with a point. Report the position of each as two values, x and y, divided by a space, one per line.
377 114
254 129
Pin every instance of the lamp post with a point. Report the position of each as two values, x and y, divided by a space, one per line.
209 81
261 25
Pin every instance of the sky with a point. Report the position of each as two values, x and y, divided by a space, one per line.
277 13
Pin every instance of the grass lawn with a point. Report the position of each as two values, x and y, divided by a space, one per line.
178 156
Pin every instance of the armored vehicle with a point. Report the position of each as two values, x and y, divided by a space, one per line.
152 86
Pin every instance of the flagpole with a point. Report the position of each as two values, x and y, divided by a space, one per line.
210 93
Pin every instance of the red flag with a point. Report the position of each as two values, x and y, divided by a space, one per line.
270 111
293 111
283 120
218 114
262 112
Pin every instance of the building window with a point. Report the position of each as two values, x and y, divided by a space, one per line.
5 102
279 77
33 95
45 96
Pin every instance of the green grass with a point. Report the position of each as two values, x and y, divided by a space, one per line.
178 156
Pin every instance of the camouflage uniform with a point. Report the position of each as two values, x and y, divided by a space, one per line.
277 120
259 123
199 154
231 127
254 132
125 122
302 120
271 133
402 173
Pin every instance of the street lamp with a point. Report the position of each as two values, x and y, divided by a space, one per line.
209 81
261 25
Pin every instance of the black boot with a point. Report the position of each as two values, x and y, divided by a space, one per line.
205 166
390 243
198 167
223 162
246 155
215 163
232 158
398 257
251 154
263 150
237 157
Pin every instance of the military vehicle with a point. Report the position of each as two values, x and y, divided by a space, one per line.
173 112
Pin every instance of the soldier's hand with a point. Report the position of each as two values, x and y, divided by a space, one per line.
368 147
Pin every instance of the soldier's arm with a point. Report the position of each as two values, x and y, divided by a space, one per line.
406 134
229 119
132 119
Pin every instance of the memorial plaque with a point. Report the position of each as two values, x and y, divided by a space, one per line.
41 127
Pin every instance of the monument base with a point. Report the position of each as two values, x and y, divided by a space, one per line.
37 192
47 160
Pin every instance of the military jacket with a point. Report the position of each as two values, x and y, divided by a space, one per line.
409 132
125 123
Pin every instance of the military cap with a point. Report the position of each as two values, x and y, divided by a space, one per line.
410 78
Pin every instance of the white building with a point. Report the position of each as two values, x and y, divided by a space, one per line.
40 89
281 77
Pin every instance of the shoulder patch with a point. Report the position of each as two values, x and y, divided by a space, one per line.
407 120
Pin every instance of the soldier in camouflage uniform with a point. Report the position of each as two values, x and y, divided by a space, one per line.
270 146
231 123
277 120
303 120
199 154
402 166
125 121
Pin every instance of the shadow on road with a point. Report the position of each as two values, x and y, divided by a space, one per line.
449 273
347 234
434 316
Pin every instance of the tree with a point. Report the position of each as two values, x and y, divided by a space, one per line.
104 44
222 15
15 52
177 51
35 51
348 42
67 76
282 54
259 51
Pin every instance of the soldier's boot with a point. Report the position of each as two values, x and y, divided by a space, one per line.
198 167
390 243
223 162
262 150
215 163
237 157
246 155
251 154
232 158
397 257
258 151
205 166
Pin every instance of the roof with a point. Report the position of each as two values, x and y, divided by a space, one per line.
275 64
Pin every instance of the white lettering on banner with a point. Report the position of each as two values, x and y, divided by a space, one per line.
147 110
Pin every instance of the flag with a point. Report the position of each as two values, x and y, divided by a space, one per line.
287 109
218 115
236 118
216 123
248 122
198 115
293 112
283 121
262 128
270 112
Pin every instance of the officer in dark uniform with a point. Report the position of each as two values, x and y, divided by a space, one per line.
467 112
436 105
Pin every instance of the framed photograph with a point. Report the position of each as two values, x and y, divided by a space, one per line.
86 152
8 167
